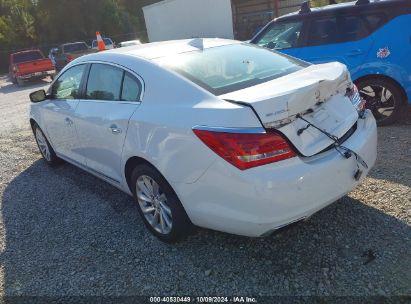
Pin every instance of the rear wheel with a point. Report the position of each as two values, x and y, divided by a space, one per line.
384 99
158 205
44 146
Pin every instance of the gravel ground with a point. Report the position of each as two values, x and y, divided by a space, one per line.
64 232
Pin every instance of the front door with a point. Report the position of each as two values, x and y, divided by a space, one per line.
59 113
112 96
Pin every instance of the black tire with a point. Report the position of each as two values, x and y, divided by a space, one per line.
384 98
181 224
51 158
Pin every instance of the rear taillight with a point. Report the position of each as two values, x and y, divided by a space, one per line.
69 58
245 150
356 99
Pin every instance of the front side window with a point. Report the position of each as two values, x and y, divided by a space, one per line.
280 35
104 82
67 86
232 67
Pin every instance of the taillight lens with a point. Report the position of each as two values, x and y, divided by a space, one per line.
356 99
69 58
245 150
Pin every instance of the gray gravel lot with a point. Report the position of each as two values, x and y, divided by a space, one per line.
64 232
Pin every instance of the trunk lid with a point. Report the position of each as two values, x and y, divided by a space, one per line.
317 93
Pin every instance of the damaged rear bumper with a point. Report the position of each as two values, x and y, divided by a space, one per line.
260 200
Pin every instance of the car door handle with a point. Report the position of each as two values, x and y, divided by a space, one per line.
115 130
68 121
354 53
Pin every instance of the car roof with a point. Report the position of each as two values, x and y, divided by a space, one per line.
161 49
345 6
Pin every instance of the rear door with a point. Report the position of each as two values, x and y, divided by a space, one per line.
345 38
111 97
58 113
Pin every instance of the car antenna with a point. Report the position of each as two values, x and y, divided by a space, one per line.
305 7
360 2
197 43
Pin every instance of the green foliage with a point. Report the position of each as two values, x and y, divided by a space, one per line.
46 23
315 3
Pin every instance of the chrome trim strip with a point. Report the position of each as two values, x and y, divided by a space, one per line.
252 130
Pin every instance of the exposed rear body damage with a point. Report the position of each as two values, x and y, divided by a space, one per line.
318 93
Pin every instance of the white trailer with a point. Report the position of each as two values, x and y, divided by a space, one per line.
179 19
239 19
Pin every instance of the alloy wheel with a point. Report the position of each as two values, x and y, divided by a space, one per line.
42 143
380 101
153 204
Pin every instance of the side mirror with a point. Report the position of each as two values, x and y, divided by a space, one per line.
38 96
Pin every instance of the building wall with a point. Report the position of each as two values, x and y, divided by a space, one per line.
179 19
249 16
288 6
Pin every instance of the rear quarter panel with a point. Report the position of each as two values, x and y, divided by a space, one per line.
394 37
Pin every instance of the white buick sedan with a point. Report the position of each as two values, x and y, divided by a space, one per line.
216 133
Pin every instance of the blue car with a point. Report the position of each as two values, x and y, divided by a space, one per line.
373 38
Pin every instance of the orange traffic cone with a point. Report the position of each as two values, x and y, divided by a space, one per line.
100 43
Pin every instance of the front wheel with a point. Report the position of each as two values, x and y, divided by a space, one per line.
44 146
383 97
158 205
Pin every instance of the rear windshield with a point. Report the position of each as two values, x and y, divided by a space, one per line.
28 56
75 47
230 68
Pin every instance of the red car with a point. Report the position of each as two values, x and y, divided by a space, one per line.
28 65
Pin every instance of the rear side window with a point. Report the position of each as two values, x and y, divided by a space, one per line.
67 86
131 88
373 22
337 29
26 57
104 82
281 35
